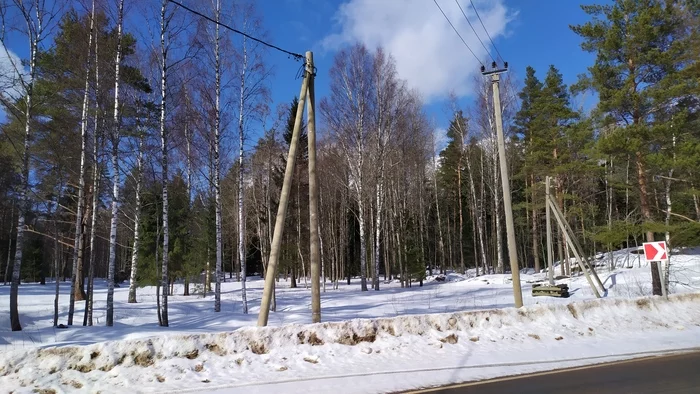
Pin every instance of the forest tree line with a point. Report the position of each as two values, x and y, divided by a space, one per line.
154 157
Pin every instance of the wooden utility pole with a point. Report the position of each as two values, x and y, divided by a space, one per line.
282 207
314 248
550 249
505 180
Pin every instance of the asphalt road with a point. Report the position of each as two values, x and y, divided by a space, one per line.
663 374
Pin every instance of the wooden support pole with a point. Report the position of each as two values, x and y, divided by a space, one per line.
570 243
567 229
550 249
282 208
314 248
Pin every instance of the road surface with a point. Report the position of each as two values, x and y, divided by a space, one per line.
662 374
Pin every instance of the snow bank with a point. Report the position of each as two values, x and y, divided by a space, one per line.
257 354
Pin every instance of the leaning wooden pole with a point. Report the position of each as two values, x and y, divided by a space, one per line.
314 248
550 249
282 208
570 231
570 243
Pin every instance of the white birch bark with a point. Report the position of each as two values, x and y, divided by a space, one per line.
35 31
241 186
78 243
164 163
479 218
137 222
441 242
115 175
95 193
217 165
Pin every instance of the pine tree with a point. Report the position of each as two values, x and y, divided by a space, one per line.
524 120
451 173
638 54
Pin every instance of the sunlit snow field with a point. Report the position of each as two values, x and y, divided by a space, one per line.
423 356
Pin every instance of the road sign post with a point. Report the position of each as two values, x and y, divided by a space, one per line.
658 252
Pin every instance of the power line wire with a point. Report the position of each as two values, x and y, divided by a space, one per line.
296 56
459 35
487 32
474 30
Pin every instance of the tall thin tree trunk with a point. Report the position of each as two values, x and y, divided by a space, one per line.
115 176
378 224
76 287
137 224
421 226
217 165
299 251
164 162
24 202
56 256
535 227
497 215
241 186
95 195
459 204
9 244
480 228
646 215
363 239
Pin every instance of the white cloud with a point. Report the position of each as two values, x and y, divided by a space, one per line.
428 53
440 138
10 84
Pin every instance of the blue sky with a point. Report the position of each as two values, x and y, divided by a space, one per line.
428 53
535 33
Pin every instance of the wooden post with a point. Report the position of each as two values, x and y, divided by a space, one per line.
570 231
550 249
282 208
507 205
314 248
570 243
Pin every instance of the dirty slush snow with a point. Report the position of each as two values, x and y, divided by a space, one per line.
361 355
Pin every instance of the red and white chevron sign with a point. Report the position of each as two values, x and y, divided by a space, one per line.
655 251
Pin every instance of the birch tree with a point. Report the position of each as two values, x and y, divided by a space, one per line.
36 16
252 74
346 111
79 238
164 22
115 137
217 171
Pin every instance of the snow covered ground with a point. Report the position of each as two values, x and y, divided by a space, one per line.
440 333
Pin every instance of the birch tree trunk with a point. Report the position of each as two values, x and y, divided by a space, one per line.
164 163
441 243
217 164
497 215
241 186
115 176
137 224
479 219
24 202
95 195
76 290
459 203
378 219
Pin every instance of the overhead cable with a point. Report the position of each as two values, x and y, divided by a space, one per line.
459 35
296 56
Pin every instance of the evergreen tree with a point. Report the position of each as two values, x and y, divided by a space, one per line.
640 50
